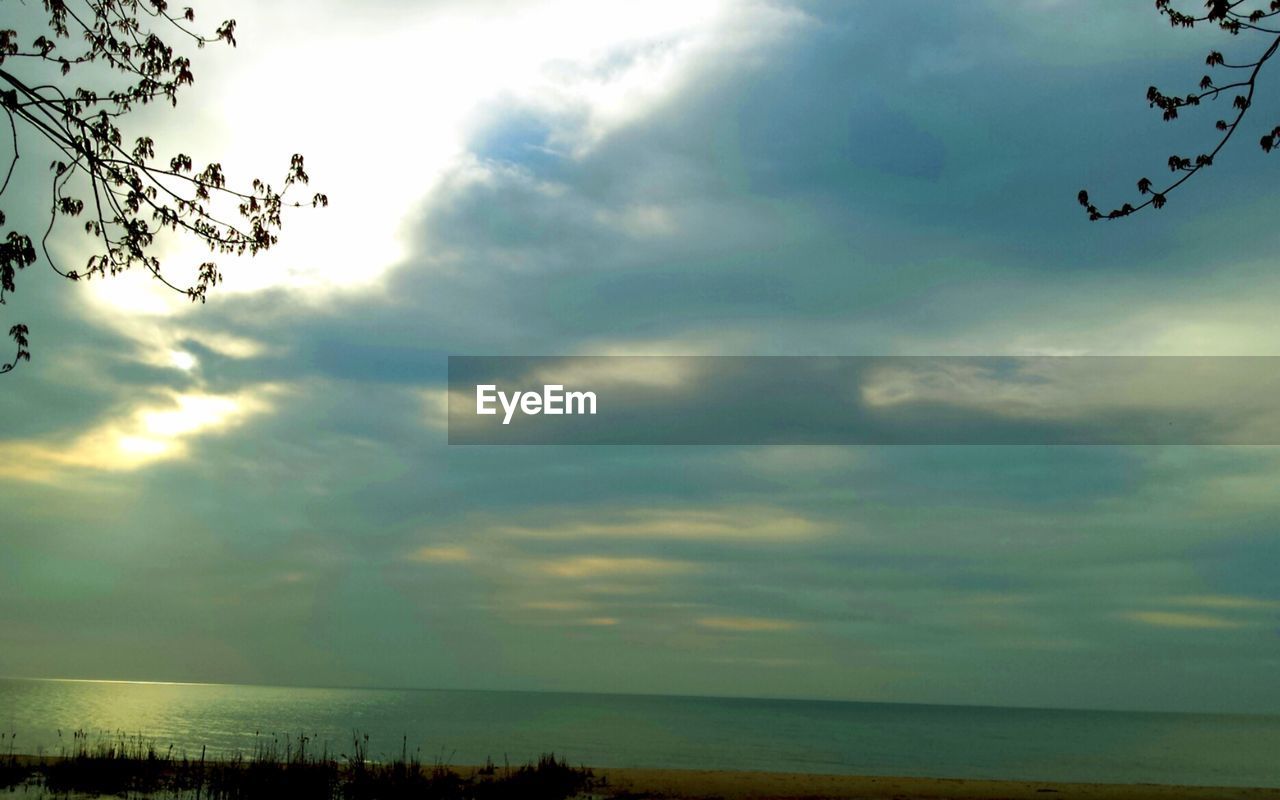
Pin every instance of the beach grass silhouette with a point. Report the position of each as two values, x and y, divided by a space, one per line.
285 767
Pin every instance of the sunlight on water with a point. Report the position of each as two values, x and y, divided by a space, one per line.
661 732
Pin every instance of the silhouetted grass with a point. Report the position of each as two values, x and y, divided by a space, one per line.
13 769
131 766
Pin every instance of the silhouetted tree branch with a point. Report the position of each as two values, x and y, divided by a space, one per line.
1234 18
126 195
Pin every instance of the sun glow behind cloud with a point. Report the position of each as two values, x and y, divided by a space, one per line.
382 149
143 435
378 147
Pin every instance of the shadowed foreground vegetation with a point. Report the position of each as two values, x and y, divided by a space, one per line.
130 766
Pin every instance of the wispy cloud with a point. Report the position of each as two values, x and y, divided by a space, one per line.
1227 602
747 524
440 554
1180 619
579 567
746 624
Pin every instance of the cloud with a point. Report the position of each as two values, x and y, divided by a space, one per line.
440 554
616 567
553 605
881 400
1219 400
143 435
746 624
744 524
1177 619
697 179
1227 602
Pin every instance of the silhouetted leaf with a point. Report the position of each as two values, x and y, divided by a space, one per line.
133 195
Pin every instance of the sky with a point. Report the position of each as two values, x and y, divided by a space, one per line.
259 489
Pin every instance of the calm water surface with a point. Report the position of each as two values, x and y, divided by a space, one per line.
664 732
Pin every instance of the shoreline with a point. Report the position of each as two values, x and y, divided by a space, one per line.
638 783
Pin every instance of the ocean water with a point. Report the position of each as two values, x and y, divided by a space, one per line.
465 727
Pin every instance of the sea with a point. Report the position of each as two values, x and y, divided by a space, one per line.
600 730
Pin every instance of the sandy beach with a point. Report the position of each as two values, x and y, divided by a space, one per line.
696 784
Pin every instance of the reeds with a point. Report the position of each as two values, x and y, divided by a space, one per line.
14 769
130 765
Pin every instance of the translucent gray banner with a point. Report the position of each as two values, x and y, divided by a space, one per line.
872 400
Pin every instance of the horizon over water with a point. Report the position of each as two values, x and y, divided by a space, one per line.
466 726
671 695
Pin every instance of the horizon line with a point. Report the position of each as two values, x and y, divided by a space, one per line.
671 695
